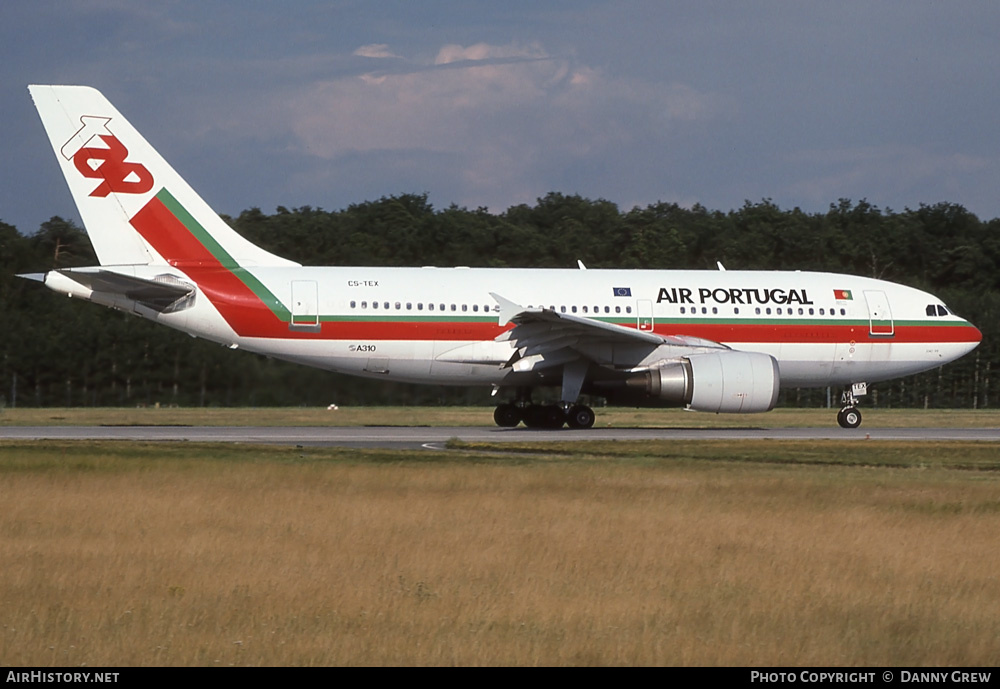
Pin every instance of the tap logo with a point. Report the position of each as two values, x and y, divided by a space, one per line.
98 154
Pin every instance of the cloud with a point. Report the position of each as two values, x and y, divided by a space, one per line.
375 50
511 116
484 51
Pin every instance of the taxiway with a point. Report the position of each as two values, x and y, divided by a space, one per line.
408 437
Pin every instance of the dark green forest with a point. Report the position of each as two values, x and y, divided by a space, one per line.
58 352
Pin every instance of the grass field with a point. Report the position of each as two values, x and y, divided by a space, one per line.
479 416
656 552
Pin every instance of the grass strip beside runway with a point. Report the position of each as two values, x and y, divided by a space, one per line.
694 553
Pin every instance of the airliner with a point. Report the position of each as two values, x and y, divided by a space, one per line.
722 341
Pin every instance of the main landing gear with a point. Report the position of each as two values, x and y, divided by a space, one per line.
508 415
849 416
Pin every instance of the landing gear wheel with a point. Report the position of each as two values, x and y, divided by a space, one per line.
849 417
506 415
580 416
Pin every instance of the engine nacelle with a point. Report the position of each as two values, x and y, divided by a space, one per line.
727 381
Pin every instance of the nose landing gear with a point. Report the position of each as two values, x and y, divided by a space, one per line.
849 416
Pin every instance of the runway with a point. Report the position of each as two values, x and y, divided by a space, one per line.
411 437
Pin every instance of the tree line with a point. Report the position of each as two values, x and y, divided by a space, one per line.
56 352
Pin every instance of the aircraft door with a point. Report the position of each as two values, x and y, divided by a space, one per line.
305 306
644 315
879 315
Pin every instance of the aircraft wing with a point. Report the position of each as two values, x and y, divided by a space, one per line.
555 338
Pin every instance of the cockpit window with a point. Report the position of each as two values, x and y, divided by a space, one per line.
942 311
931 310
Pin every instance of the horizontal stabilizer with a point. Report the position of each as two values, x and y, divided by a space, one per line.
164 293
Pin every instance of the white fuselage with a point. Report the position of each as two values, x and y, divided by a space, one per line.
438 325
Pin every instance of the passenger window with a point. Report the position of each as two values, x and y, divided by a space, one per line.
682 309
618 309
843 312
757 310
573 309
409 306
364 305
475 307
454 308
420 306
736 310
398 306
354 304
628 309
465 307
607 309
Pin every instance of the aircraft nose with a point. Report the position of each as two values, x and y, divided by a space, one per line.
973 336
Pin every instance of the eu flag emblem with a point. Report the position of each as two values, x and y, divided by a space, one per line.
623 291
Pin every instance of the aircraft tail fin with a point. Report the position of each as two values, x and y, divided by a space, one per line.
135 207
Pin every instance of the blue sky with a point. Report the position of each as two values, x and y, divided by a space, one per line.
261 104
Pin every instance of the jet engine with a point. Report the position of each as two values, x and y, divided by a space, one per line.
728 381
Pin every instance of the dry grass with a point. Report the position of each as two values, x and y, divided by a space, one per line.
123 554
616 417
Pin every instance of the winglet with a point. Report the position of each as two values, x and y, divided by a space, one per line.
508 309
